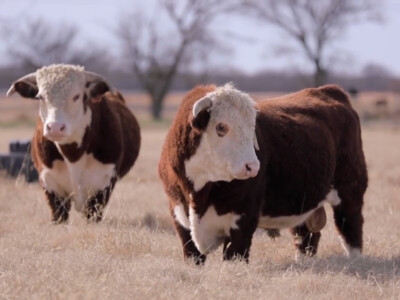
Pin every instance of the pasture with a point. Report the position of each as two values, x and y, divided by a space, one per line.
135 254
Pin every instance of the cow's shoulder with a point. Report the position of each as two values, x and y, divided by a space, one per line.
181 141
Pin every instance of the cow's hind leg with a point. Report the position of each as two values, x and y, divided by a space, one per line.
305 241
96 203
348 218
351 181
60 207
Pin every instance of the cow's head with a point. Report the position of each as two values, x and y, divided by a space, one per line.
64 92
226 120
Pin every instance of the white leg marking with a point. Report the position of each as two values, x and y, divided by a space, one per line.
181 217
350 251
334 199
209 231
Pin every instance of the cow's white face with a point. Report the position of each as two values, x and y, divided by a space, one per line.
62 108
63 92
228 142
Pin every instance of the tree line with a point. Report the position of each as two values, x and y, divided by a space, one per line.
175 53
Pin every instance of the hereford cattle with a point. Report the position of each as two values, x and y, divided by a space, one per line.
85 138
230 165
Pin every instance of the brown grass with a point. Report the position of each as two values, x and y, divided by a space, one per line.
134 253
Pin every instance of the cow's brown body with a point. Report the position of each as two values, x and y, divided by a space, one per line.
309 145
113 137
85 139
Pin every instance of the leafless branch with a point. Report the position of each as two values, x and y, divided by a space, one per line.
314 25
37 43
156 56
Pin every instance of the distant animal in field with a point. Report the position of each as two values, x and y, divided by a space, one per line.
354 92
381 107
85 138
230 165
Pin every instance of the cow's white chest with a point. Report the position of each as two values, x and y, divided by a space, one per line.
209 231
78 180
57 179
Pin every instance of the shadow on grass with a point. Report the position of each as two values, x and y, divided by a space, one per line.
379 269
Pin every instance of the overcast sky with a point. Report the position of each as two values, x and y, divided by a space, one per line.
254 51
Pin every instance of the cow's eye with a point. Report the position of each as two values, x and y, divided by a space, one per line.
221 129
76 97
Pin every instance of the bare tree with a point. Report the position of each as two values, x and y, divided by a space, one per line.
314 24
36 43
157 49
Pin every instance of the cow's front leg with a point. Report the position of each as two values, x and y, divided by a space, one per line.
182 227
237 245
190 250
96 203
59 206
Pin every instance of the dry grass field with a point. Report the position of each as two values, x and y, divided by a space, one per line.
134 253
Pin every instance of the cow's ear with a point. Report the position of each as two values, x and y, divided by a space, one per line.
26 86
96 86
201 113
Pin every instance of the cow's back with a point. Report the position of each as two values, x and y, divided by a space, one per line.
306 134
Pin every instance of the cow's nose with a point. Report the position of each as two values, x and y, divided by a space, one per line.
55 127
252 168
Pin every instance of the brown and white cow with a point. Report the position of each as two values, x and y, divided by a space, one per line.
230 165
85 138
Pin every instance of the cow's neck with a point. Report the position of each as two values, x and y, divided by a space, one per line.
201 168
199 200
74 151
79 141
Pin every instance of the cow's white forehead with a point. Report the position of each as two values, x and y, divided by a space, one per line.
226 99
57 81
